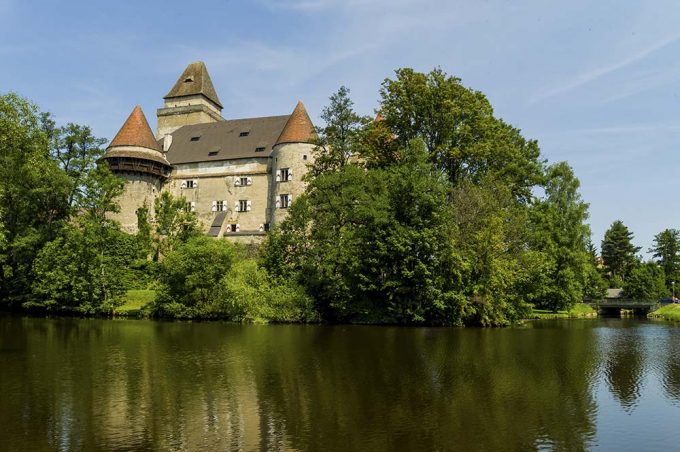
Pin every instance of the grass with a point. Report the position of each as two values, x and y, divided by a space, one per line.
134 303
667 312
578 311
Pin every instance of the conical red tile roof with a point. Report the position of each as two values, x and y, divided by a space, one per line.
136 132
299 128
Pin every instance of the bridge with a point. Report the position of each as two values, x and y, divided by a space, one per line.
615 305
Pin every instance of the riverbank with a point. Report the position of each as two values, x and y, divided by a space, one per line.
578 311
668 312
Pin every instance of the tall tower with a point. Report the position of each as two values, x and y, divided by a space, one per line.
291 155
135 155
192 100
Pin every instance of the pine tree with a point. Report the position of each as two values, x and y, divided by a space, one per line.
666 250
618 251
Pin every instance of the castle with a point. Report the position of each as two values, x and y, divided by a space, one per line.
238 175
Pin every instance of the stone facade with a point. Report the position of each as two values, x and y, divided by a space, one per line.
238 176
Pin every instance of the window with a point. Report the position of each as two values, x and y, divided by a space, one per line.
213 153
285 174
243 181
266 227
304 157
244 134
194 138
233 228
190 206
190 184
243 205
284 201
259 149
188 79
219 206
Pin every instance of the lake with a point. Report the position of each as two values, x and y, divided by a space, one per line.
91 384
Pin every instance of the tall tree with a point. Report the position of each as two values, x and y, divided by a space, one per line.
560 232
461 134
618 251
33 195
646 281
666 250
337 139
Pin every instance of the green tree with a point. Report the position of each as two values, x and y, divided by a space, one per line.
646 281
33 195
666 250
559 231
190 275
174 223
461 134
337 140
618 251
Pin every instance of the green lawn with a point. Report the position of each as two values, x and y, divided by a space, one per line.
578 311
667 312
134 302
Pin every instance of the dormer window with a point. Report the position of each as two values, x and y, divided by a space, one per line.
213 153
188 79
244 133
259 149
195 138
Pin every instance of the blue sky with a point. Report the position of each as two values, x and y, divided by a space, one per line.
596 83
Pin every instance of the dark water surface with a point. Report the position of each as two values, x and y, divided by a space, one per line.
73 384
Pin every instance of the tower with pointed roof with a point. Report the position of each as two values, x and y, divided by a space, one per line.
135 155
192 100
239 176
291 156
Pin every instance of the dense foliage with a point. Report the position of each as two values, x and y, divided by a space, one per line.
435 212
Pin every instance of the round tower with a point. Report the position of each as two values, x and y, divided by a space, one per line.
135 155
291 156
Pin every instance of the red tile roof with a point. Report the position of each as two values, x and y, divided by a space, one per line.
299 128
136 132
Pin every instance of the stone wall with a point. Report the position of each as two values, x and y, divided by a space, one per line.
140 188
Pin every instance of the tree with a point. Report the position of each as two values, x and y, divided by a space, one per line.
190 275
337 140
667 251
618 251
560 232
463 138
33 195
174 223
646 281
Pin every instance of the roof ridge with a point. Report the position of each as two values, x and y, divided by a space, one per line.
136 132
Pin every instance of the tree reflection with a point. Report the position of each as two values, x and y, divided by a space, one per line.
624 366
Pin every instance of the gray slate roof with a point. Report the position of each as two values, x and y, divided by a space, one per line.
225 138
194 80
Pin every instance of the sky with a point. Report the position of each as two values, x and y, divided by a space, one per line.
596 83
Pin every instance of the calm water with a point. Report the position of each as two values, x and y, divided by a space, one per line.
72 384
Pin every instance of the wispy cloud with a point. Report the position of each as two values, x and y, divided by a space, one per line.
594 74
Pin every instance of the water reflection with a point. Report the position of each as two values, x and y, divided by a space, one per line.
136 385
624 365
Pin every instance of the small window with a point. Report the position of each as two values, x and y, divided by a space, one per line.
266 227
188 79
243 205
244 134
284 174
219 206
304 157
284 201
190 184
232 227
213 153
259 149
187 207
195 138
243 181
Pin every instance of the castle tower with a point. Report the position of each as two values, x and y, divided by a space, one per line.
135 155
192 100
291 155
